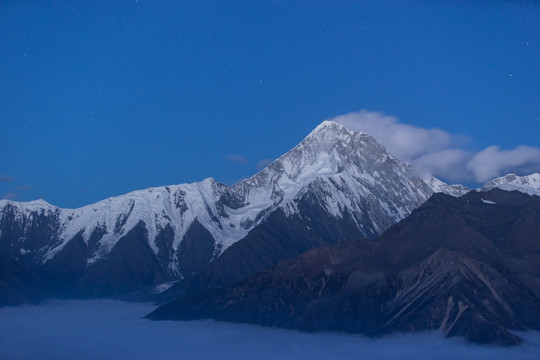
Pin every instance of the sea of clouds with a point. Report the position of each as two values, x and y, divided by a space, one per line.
108 329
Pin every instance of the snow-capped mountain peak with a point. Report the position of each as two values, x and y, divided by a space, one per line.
328 150
529 184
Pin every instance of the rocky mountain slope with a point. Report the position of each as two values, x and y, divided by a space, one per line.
468 266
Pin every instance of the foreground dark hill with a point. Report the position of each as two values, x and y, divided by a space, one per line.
468 266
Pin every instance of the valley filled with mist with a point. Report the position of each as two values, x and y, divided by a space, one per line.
110 329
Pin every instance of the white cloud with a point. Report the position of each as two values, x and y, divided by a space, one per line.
6 178
10 196
449 164
492 162
24 188
406 142
440 153
235 158
262 164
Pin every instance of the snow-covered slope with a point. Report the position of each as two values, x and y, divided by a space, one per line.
529 184
347 173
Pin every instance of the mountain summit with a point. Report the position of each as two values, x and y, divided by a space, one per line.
332 159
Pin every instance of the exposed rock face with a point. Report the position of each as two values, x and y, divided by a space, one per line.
468 266
335 185
19 284
196 250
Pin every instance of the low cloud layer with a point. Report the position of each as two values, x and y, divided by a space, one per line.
440 153
97 329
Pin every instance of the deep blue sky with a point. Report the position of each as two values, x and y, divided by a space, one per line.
98 98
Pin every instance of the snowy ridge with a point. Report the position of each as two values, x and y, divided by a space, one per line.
438 186
177 206
529 184
348 172
26 208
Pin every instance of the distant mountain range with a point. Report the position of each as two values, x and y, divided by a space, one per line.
335 186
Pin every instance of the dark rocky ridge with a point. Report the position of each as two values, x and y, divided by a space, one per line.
465 266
